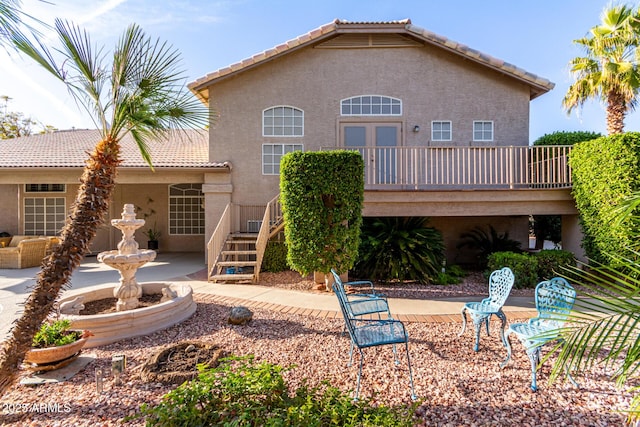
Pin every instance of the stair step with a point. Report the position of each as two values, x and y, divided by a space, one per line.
243 235
232 277
241 240
237 263
238 253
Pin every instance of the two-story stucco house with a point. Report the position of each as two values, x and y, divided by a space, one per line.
443 129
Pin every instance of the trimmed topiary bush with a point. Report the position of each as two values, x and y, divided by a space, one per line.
605 172
524 267
322 194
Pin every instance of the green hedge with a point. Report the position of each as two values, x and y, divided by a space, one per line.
530 269
275 257
605 172
551 263
566 138
322 195
524 267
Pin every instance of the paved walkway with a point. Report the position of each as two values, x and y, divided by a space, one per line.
15 285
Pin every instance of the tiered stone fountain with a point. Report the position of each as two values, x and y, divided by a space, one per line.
128 321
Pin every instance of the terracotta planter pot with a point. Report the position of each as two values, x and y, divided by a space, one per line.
41 356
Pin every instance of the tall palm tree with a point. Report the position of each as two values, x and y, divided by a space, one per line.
609 70
138 90
12 19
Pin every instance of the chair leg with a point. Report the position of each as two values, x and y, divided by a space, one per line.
359 375
507 344
464 320
534 357
486 324
395 355
413 391
477 324
503 319
350 355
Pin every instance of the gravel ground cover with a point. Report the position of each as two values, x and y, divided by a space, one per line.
457 386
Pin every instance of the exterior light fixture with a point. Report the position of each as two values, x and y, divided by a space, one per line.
416 128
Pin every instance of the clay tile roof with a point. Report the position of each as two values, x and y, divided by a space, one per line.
183 149
538 85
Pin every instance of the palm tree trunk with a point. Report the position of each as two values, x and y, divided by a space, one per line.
616 112
87 214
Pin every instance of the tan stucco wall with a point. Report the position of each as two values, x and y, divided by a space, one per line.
432 84
9 221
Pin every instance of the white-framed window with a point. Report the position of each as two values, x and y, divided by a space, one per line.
371 105
44 188
186 209
441 130
283 121
272 153
44 216
482 130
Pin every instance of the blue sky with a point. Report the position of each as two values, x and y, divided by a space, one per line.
534 35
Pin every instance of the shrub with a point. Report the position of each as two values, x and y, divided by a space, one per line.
524 267
550 263
605 172
566 138
240 392
450 276
395 248
275 257
322 195
55 334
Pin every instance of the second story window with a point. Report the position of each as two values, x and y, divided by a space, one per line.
441 131
272 153
482 130
283 121
371 105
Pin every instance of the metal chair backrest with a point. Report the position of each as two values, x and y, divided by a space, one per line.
500 284
345 307
554 301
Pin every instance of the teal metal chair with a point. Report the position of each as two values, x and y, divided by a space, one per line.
366 333
500 284
554 301
363 304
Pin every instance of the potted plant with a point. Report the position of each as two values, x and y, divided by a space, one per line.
55 342
153 234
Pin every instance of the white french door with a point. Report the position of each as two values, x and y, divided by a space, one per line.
377 142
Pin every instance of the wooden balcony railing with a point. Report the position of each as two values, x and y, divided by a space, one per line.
450 168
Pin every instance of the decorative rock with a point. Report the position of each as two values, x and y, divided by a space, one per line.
168 294
72 307
240 315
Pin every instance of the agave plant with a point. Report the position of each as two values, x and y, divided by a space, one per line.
397 248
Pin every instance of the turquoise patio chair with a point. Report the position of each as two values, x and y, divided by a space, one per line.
500 284
554 301
366 333
362 304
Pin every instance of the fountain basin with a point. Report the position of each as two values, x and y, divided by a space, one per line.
111 327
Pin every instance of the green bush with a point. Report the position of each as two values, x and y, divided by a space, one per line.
275 257
400 248
605 172
550 263
566 138
240 392
451 275
322 195
524 267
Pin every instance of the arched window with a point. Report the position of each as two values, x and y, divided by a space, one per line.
371 105
283 121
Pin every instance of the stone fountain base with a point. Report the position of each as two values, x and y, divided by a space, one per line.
111 327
